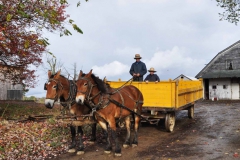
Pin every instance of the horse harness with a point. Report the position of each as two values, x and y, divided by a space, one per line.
71 95
105 99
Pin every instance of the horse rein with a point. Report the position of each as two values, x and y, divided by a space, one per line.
118 89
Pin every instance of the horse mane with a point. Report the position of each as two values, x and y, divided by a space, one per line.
102 86
100 83
60 75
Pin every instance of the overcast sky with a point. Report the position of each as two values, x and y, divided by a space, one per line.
175 37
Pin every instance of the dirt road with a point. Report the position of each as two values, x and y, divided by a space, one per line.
214 133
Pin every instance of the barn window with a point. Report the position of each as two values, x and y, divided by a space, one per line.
229 64
214 87
224 86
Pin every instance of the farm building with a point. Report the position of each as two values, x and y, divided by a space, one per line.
221 76
8 91
183 77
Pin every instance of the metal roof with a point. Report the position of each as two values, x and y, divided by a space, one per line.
200 74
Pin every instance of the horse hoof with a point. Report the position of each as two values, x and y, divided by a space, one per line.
134 145
108 152
118 154
80 152
125 145
71 150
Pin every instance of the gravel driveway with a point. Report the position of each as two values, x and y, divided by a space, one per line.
214 133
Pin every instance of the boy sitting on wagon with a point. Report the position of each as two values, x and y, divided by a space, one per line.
152 77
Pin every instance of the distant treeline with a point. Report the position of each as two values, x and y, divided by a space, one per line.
32 98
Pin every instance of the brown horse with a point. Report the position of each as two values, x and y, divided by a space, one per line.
109 107
59 87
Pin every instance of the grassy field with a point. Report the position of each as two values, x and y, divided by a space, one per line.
10 110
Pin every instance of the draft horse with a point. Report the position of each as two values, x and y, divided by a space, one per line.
119 104
59 87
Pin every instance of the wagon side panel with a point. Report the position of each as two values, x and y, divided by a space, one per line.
161 95
188 92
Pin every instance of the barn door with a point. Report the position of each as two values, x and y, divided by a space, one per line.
235 90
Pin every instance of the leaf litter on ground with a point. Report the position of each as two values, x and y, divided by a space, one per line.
32 140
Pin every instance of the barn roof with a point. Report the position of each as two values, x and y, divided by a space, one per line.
222 74
219 73
182 76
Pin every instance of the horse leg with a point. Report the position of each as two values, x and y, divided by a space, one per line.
105 134
128 126
108 148
113 129
81 146
93 136
73 144
136 126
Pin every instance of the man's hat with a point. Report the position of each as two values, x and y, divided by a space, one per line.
137 56
151 70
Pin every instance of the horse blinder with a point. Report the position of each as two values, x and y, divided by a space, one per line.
56 86
45 86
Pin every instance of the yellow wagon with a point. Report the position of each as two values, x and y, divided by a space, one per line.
163 99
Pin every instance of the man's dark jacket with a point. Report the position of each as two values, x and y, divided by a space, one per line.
152 78
138 67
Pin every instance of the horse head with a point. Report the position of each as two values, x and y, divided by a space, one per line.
88 87
83 83
53 88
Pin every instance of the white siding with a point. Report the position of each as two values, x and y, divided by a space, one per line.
222 90
235 90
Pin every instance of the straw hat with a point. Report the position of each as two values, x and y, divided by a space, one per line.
137 56
151 70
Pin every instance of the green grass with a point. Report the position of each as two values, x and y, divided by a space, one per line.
18 111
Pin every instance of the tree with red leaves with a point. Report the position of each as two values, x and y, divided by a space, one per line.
21 40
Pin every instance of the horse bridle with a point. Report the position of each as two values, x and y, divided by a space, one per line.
57 82
89 89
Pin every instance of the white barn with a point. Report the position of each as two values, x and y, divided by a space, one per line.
221 76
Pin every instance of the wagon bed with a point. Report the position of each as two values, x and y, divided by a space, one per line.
163 99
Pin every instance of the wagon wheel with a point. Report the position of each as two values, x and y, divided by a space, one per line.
191 112
170 121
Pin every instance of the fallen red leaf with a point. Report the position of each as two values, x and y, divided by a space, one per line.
235 155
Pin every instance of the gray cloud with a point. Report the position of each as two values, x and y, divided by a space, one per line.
175 37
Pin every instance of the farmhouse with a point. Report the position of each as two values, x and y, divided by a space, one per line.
221 76
8 91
